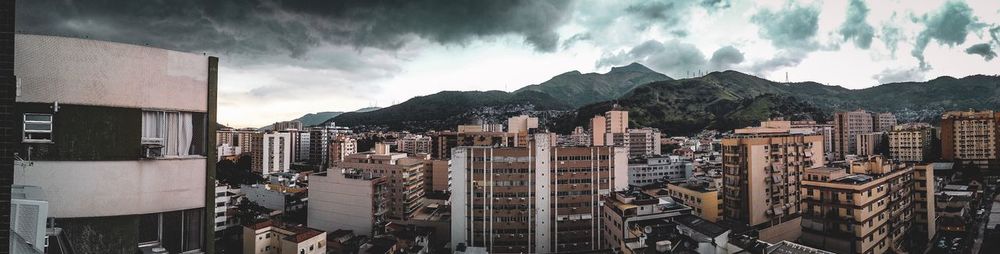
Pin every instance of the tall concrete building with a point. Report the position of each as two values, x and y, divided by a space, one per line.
300 143
868 144
924 204
242 138
762 168
912 143
521 124
603 127
414 144
287 125
538 198
969 138
654 170
272 152
404 179
320 138
883 122
846 128
121 139
347 200
598 129
340 147
867 208
617 121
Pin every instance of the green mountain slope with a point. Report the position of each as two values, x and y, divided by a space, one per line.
577 89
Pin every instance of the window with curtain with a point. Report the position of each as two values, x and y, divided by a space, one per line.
174 131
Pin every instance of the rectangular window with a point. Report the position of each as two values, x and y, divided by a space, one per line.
172 132
37 127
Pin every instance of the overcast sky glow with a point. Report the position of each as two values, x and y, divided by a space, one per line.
280 60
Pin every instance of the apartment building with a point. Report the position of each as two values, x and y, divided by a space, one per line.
912 142
341 146
225 206
846 128
437 179
579 137
242 138
883 122
658 169
969 138
404 178
272 152
598 130
626 214
276 197
762 167
117 137
700 193
867 208
643 142
347 200
320 138
414 144
521 124
869 144
442 143
532 199
287 125
270 237
613 121
924 202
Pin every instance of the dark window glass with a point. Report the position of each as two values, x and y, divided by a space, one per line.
192 229
149 228
172 223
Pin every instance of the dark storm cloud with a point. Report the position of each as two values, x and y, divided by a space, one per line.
725 57
792 27
855 27
716 4
293 27
982 49
784 58
662 13
673 58
569 42
948 26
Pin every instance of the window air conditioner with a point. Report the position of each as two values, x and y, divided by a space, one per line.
152 151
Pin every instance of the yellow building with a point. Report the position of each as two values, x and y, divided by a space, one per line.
701 194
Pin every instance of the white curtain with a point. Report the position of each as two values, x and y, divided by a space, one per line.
174 129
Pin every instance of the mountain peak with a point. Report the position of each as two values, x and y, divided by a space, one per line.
633 67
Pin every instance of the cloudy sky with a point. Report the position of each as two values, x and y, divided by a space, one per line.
282 59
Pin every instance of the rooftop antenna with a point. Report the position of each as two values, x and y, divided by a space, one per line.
786 77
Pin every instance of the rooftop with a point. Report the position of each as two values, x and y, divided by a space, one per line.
704 227
786 247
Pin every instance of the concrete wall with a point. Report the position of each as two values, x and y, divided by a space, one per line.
89 72
339 203
542 177
459 197
110 188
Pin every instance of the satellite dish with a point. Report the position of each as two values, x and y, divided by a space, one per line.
647 229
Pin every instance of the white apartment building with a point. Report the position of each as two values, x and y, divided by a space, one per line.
659 169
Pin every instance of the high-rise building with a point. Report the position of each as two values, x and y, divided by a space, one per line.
320 138
300 142
598 129
533 199
272 152
404 178
443 142
347 200
241 138
647 171
912 143
617 121
869 143
924 204
970 138
626 215
287 125
846 128
414 144
883 122
121 173
762 167
643 142
868 209
604 127
521 124
700 193
340 147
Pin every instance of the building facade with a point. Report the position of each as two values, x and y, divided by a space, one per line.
912 143
521 124
539 198
700 193
269 237
404 179
272 152
626 215
340 147
846 128
347 200
287 125
762 168
869 144
969 138
658 169
118 137
868 209
414 144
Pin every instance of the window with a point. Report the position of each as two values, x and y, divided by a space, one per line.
173 131
37 127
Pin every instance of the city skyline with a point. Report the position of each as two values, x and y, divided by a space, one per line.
285 60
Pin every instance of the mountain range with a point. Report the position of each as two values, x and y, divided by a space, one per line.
719 100
312 119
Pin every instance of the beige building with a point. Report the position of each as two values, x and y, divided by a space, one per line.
883 122
272 152
340 147
414 144
437 179
762 168
846 128
521 124
286 125
869 143
617 121
269 237
347 200
598 129
404 176
538 199
603 127
924 204
911 142
969 138
867 208
700 193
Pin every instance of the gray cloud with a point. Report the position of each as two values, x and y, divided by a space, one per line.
673 57
792 27
716 4
982 49
725 57
855 27
891 36
899 75
569 42
292 27
784 58
948 26
662 13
